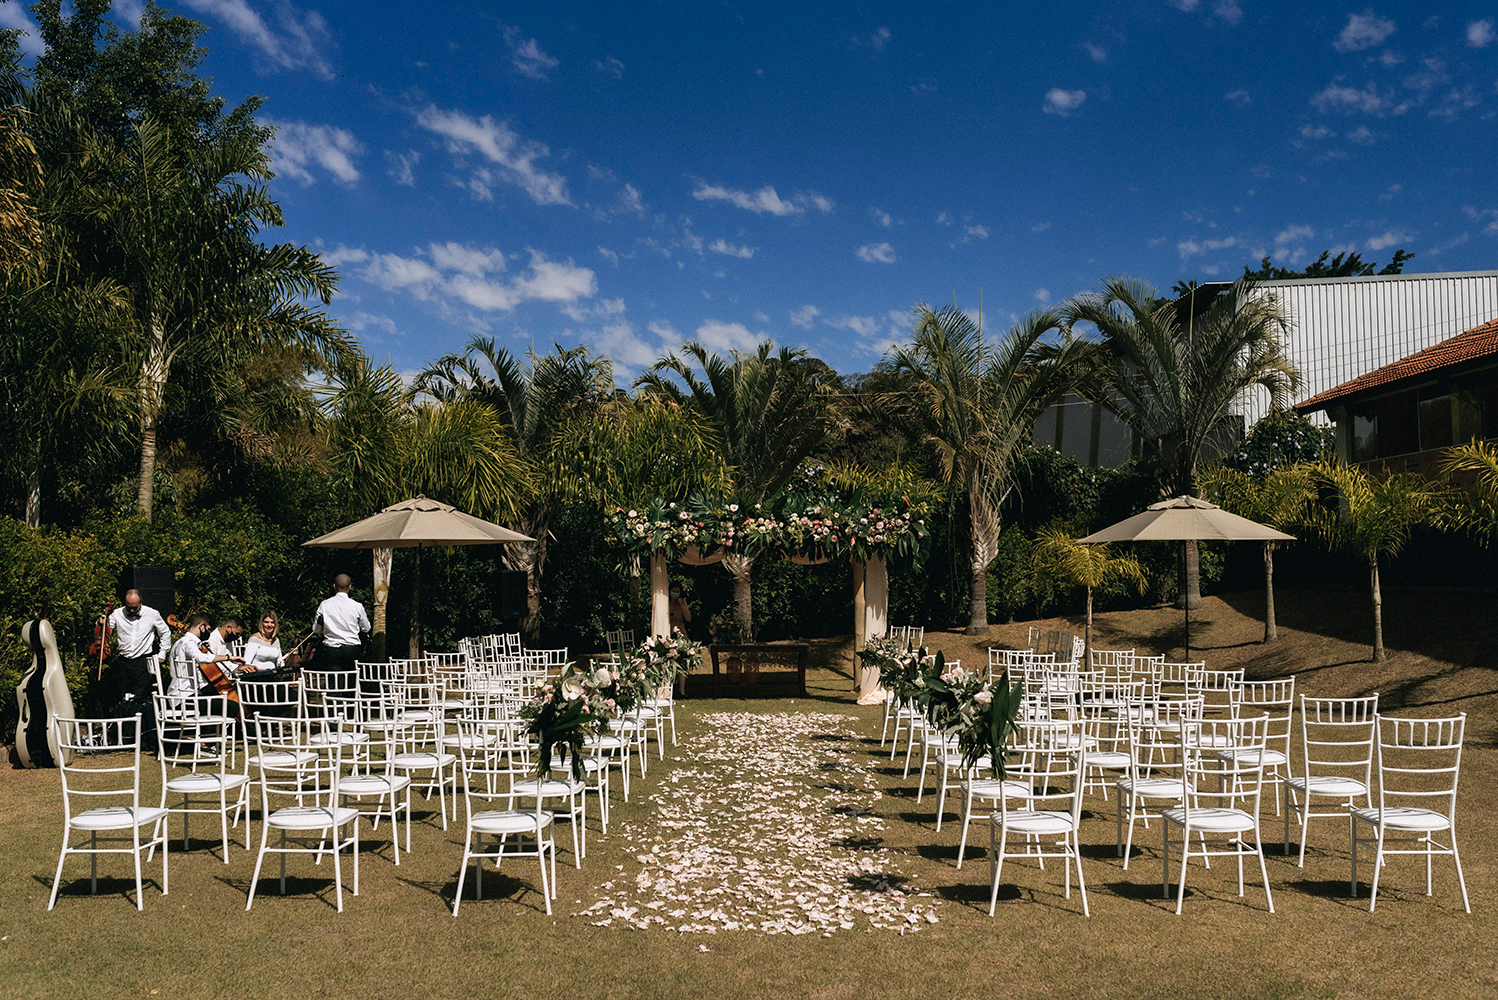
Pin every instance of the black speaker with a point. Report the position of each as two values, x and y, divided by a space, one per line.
512 597
157 586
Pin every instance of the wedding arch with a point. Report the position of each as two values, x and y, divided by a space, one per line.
708 528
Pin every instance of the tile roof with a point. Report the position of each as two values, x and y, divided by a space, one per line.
1478 342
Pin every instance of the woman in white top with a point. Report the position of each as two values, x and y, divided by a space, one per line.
262 651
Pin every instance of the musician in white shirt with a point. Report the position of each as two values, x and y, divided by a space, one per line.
219 639
262 650
142 640
188 656
340 620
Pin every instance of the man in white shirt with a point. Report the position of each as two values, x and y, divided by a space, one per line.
141 643
340 620
218 643
190 652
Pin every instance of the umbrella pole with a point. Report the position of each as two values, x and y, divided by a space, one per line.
1185 604
416 636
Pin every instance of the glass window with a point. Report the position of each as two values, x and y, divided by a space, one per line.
1466 416
1435 422
1398 425
1364 437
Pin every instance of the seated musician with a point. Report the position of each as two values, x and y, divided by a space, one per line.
262 650
190 654
219 639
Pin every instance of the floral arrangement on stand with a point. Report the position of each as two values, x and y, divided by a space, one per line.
564 714
661 661
901 670
965 703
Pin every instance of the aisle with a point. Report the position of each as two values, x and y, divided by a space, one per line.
766 823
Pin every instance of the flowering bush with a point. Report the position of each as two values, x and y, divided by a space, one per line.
565 713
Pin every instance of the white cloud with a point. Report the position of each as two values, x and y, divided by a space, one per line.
1040 227
1228 10
13 16
978 232
1190 248
728 249
1042 295
881 217
631 201
876 253
128 11
1337 97
612 256
1362 135
1309 131
1189 6
526 55
1363 31
1293 234
299 147
763 201
454 275
1480 34
722 337
362 321
401 167
610 67
1240 95
1390 192
296 46
495 142
1387 239
805 316
1479 214
864 326
1096 52
1063 102
943 219
875 39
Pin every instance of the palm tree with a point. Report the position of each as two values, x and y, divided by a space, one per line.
1278 500
1174 384
1091 566
769 411
1373 517
1473 470
384 447
180 228
975 405
532 404
21 170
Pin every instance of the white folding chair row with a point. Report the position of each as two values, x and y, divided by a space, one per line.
1336 742
197 736
1047 770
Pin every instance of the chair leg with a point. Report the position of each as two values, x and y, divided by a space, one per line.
1076 849
1460 879
1185 856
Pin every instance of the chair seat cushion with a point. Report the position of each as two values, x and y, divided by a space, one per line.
509 821
372 784
1405 818
283 758
550 788
116 818
1039 822
1152 788
346 738
1212 820
205 782
1252 758
422 759
992 788
1331 786
309 817
1108 758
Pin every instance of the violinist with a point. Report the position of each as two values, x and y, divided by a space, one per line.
142 640
262 650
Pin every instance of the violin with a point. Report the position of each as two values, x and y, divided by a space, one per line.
100 646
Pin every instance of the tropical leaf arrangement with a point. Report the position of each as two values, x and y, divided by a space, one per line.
565 713
900 670
659 661
978 711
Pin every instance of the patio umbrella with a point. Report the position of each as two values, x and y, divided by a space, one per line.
417 523
1186 519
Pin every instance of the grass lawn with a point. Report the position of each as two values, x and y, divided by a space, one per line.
816 798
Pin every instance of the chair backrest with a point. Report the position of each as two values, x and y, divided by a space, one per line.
1218 687
1238 781
1033 635
1275 699
266 696
195 733
316 683
1050 758
510 643
376 672
1337 736
300 760
1175 676
1109 659
1419 762
99 762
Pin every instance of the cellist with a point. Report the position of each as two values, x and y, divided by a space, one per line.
189 655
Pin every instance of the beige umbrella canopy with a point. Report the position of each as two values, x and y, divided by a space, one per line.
417 523
1184 519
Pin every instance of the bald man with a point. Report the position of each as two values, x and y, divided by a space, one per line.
340 621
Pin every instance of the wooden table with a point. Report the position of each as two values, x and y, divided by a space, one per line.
778 652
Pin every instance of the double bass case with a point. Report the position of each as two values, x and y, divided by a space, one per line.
42 696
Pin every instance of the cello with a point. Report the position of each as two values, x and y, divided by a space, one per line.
42 696
217 679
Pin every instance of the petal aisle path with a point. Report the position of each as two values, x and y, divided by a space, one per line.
765 824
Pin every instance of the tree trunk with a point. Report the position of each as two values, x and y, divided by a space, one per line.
1378 613
740 567
1271 632
984 523
1190 596
1087 635
382 558
34 497
153 375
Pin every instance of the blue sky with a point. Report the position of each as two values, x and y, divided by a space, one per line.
631 176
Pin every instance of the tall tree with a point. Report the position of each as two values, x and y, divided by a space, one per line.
1090 566
1278 499
1345 265
1472 504
1372 516
1174 384
975 404
769 410
531 402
